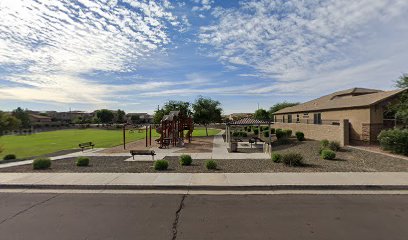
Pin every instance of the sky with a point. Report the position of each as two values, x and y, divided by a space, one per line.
136 55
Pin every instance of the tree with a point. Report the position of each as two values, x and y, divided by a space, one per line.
206 111
158 115
105 116
401 107
8 123
23 116
120 116
279 106
261 114
172 105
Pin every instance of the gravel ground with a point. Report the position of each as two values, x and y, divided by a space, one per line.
347 160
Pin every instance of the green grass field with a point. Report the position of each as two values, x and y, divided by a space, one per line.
49 142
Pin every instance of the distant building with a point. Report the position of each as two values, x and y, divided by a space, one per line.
238 116
69 116
34 118
143 117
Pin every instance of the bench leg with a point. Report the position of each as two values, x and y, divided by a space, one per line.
153 157
133 156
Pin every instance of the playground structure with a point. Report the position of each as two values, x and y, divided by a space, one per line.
172 129
132 129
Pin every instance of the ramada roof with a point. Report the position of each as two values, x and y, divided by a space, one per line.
350 98
248 121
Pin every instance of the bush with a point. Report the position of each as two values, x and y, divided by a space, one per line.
211 165
279 133
82 161
261 128
185 160
394 140
300 136
324 143
256 131
245 128
249 129
328 154
273 130
9 157
161 165
41 163
266 133
288 133
334 146
239 134
292 159
277 157
265 128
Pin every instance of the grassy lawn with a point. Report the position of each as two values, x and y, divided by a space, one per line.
49 142
200 132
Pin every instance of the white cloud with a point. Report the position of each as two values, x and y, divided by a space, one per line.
296 42
57 41
202 5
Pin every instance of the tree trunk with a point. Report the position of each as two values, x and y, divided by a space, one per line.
206 130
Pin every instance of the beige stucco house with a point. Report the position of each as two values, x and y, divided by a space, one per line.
363 108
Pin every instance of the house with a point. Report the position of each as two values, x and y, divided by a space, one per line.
35 118
365 112
69 116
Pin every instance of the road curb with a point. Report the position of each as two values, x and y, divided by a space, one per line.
205 187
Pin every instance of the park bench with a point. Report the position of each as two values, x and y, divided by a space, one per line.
142 152
86 145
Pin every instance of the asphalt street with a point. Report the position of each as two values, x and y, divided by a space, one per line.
154 216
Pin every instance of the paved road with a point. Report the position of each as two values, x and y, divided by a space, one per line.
136 216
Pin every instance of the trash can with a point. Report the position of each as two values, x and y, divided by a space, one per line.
234 146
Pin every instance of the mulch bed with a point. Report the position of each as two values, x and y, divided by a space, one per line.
347 160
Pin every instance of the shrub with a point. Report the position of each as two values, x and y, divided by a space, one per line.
82 161
265 128
239 134
288 133
328 154
279 133
334 146
394 140
324 143
261 128
211 165
277 157
300 136
256 131
266 133
9 157
292 159
185 160
273 130
245 128
41 163
161 165
249 129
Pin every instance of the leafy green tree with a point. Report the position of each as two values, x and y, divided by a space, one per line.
105 116
401 107
183 107
279 106
158 115
120 116
172 105
261 114
8 123
206 111
23 116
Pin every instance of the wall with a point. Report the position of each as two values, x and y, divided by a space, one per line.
355 116
319 132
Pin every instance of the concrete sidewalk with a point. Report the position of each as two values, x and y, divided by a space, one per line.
208 181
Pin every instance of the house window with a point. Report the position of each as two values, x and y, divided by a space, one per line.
290 118
317 118
297 118
283 118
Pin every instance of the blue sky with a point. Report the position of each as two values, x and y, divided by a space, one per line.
135 55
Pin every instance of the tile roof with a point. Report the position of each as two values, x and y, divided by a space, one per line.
248 121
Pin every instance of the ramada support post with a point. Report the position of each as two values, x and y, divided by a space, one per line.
146 135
